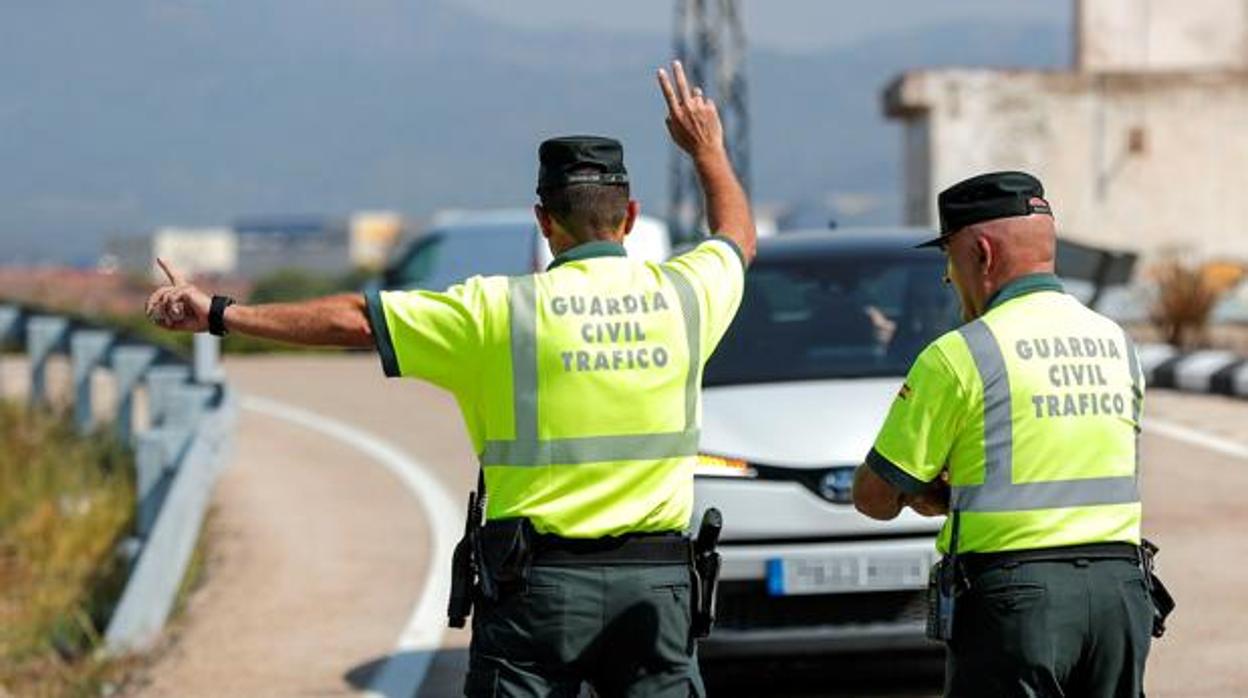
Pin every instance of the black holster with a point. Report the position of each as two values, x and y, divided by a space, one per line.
706 565
464 568
504 552
1163 602
944 583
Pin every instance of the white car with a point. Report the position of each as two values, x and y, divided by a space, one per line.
463 243
792 401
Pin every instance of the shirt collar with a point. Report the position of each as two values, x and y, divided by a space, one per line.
589 250
1024 285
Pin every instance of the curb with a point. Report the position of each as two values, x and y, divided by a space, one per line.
1211 371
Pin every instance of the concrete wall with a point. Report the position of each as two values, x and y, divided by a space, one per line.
1133 161
1161 35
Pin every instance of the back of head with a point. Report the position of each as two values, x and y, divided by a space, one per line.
583 185
1024 244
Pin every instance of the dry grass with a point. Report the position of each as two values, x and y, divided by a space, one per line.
65 503
1186 296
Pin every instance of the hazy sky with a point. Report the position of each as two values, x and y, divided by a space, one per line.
117 117
795 25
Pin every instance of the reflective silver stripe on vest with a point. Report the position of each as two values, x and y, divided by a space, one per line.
999 492
692 313
1137 396
591 449
522 305
526 449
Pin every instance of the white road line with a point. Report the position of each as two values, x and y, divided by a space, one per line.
1194 437
404 671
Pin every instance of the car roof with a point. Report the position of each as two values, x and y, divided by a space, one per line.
456 219
845 241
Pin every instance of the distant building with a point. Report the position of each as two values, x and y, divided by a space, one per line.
313 243
373 235
324 244
254 247
1143 145
193 250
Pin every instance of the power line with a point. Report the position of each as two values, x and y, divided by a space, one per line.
710 42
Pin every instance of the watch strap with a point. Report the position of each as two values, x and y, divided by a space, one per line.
216 315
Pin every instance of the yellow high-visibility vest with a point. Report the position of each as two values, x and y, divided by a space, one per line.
1033 410
579 386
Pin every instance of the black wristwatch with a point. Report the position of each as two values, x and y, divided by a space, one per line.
216 315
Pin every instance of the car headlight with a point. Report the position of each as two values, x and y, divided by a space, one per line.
720 466
837 485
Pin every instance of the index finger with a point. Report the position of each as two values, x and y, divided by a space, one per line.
174 277
668 94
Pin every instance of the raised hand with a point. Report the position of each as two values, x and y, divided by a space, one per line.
180 306
692 119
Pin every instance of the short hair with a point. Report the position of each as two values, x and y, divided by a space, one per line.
587 211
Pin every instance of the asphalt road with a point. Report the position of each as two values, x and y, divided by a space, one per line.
318 553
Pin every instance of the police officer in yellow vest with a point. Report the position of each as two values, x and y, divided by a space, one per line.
580 389
1023 424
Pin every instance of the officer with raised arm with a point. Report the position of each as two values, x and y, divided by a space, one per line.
1023 423
580 389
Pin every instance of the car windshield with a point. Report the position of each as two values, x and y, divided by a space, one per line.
844 317
443 258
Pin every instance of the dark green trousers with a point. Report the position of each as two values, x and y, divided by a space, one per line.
624 629
1049 629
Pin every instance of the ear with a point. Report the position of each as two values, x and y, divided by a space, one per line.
984 253
544 221
634 209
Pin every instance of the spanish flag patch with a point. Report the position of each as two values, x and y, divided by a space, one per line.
905 391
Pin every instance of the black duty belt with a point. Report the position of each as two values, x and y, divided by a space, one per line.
632 549
975 563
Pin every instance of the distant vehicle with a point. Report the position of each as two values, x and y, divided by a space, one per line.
508 242
649 241
793 398
460 245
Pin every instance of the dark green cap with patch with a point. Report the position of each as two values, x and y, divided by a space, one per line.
988 197
571 160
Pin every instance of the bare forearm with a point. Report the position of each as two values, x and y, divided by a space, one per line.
874 497
727 208
339 320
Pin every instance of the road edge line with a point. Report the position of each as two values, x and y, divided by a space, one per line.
404 671
1194 437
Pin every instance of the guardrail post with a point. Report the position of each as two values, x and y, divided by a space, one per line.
87 349
207 352
187 403
9 316
130 362
161 381
154 451
44 335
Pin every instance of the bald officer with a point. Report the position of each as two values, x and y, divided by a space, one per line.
1023 423
580 390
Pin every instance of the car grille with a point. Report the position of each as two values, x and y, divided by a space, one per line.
747 605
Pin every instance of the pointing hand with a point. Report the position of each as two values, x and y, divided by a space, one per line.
180 306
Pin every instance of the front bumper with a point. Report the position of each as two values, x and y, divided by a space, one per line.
752 622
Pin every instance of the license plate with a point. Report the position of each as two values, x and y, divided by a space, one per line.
831 574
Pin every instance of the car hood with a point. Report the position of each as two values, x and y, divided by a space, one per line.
812 423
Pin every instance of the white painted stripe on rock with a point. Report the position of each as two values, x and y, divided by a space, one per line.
1152 355
1239 381
1195 370
404 671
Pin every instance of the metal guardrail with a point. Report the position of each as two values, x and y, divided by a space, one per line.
192 415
